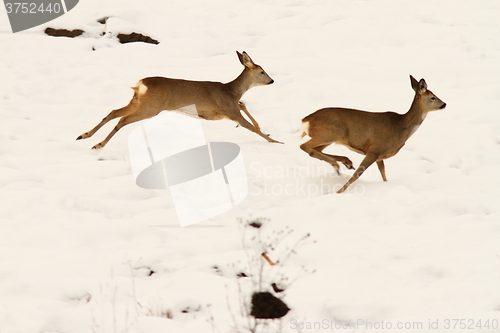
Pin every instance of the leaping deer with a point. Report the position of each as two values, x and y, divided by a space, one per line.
213 100
378 135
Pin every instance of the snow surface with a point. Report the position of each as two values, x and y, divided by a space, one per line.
79 240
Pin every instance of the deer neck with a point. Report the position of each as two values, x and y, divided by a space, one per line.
241 84
414 117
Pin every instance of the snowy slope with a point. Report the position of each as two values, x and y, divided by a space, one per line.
83 249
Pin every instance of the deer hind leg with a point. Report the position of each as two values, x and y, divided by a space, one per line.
140 114
369 159
342 159
238 118
381 168
130 108
314 149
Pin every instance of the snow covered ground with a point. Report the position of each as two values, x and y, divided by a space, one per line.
83 249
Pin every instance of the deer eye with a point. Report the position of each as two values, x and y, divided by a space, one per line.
433 98
262 72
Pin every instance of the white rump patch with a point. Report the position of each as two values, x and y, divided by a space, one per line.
305 127
141 88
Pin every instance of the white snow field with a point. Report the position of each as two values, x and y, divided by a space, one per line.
84 249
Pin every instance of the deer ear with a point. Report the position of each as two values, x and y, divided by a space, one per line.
422 86
414 83
245 59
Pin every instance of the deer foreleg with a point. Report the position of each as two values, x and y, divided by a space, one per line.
367 161
381 168
244 109
244 123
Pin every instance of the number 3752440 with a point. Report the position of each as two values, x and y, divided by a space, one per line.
470 324
32 8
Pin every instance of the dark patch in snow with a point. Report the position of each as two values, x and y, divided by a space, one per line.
136 37
63 32
266 306
255 224
217 269
241 274
188 309
276 288
103 20
123 38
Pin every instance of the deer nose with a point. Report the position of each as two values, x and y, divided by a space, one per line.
443 106
272 81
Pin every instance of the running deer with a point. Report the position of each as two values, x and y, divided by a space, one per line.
378 135
213 100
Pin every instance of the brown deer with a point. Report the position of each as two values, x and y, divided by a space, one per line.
213 100
377 135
